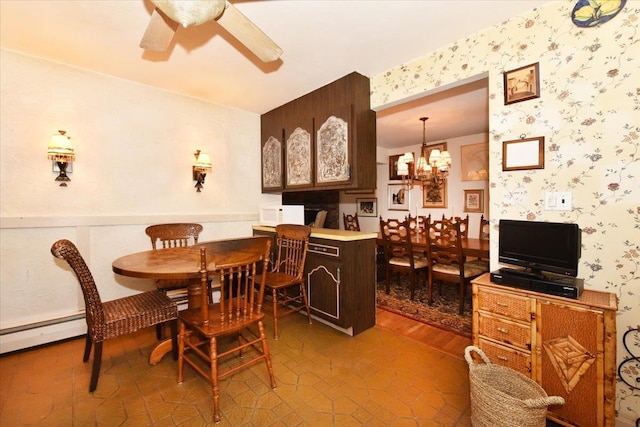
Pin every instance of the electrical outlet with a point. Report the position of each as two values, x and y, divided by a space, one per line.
557 201
563 201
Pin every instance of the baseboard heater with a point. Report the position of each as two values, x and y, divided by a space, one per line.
43 332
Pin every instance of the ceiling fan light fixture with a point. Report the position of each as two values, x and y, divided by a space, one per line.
193 12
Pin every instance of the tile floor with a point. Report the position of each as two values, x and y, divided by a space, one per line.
325 378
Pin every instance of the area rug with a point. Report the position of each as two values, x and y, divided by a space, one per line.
443 313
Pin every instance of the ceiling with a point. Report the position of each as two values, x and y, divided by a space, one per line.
322 41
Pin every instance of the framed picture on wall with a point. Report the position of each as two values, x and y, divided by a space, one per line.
434 195
474 162
367 207
523 154
398 197
473 200
521 84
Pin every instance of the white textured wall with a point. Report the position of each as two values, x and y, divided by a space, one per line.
134 150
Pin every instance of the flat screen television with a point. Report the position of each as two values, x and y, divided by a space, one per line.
540 246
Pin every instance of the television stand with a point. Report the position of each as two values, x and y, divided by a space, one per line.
568 346
552 284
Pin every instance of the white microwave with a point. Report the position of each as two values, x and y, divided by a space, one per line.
272 215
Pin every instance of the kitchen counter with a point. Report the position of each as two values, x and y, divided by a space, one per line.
328 233
340 276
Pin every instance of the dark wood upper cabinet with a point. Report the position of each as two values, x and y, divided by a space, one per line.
328 140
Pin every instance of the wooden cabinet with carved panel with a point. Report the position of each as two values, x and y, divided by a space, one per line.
340 275
568 346
328 139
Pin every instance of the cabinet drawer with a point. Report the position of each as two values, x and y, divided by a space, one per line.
517 360
513 306
516 334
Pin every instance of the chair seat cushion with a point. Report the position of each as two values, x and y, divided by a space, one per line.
454 269
135 312
418 261
483 264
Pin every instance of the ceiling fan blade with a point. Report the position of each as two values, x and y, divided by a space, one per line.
159 32
248 34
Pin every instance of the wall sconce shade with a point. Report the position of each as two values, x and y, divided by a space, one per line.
61 151
200 168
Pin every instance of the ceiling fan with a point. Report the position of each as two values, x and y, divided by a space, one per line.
168 14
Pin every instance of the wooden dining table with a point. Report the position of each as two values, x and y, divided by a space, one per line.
165 264
178 264
471 247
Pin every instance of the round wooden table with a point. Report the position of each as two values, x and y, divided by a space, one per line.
180 264
167 264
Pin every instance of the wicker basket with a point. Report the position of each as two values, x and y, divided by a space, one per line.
501 396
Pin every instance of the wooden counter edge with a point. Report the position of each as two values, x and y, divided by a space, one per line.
329 233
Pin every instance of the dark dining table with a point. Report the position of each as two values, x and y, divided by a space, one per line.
471 247
178 264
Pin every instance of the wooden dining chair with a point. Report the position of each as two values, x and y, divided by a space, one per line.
351 222
238 314
173 235
483 234
416 223
464 225
111 319
485 228
447 261
399 254
285 281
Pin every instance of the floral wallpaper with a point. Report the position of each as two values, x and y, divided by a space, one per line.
589 114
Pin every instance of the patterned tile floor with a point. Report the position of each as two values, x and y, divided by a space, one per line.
325 378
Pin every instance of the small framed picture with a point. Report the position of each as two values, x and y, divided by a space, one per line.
393 168
398 197
523 154
521 84
434 195
473 200
367 207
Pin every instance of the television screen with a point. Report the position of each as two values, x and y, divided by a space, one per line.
540 246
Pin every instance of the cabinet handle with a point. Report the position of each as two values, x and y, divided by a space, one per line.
503 330
501 304
504 359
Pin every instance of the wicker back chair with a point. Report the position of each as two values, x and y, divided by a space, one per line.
118 317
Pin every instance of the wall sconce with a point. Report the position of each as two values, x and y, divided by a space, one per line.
61 152
200 168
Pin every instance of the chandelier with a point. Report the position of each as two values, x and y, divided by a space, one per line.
431 168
